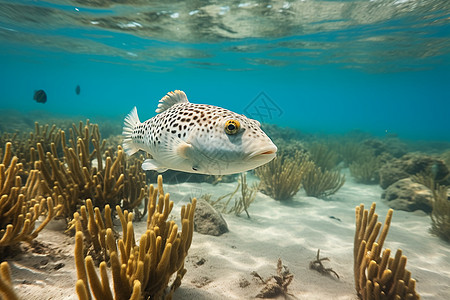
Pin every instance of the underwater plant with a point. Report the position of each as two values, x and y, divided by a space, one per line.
365 169
323 156
282 177
21 205
140 271
318 183
446 158
378 276
351 151
241 204
440 215
248 195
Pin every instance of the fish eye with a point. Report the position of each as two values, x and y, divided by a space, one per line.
232 126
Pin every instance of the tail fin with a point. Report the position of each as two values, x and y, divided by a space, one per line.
131 121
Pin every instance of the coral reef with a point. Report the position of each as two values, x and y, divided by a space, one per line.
317 183
390 146
378 276
6 288
21 206
282 177
82 174
144 270
440 215
412 164
23 146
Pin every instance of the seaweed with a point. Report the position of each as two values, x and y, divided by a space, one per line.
365 168
323 156
322 184
440 215
241 204
282 177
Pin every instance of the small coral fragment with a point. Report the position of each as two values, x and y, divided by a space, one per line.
319 267
276 285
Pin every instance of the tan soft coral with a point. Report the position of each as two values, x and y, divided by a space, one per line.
21 205
140 271
377 275
83 174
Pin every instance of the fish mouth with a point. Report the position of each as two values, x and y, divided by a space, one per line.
263 153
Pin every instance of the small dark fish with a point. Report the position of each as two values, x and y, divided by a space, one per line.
40 96
335 218
78 90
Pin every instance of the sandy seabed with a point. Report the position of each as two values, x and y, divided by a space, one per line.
221 267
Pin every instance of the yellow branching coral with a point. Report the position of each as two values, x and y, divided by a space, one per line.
6 289
78 177
21 206
378 276
24 145
322 184
93 225
140 271
282 177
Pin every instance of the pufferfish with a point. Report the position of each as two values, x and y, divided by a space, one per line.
197 138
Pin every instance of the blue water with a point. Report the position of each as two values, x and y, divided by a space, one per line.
378 66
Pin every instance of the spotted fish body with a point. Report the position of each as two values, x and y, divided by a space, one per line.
197 138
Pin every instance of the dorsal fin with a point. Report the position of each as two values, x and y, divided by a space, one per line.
170 99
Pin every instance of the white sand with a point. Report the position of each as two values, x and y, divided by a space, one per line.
292 231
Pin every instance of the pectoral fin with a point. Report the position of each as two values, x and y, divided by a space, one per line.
183 149
153 165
